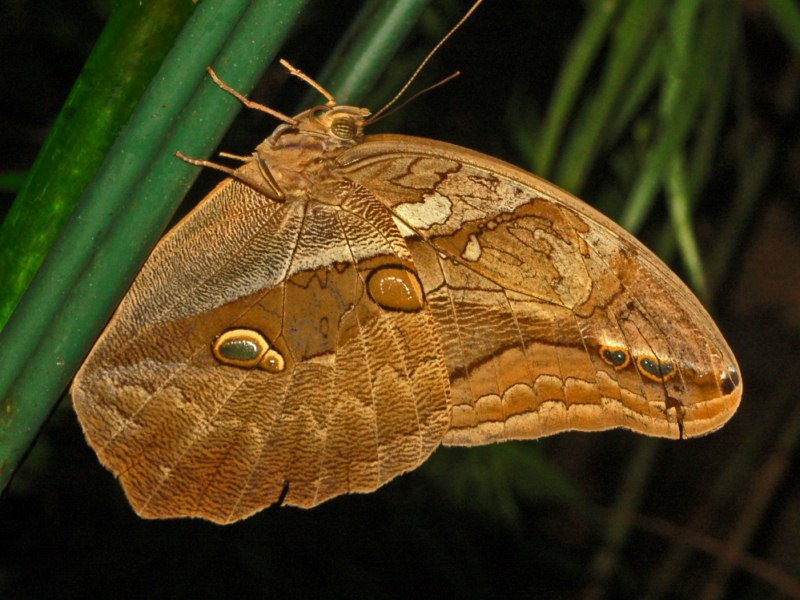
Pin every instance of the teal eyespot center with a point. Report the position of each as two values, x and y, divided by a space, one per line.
654 369
648 365
615 357
239 349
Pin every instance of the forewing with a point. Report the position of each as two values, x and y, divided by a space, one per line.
551 316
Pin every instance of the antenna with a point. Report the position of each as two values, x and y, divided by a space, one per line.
450 77
426 59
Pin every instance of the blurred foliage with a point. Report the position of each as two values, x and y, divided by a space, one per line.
677 118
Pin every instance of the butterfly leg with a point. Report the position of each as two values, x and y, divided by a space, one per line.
264 185
247 102
206 163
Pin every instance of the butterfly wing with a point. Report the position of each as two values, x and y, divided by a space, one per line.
266 351
423 293
551 316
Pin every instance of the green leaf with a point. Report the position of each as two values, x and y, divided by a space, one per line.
126 208
786 14
125 57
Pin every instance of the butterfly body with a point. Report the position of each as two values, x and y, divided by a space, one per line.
343 304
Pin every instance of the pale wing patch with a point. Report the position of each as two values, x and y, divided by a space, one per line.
472 249
433 210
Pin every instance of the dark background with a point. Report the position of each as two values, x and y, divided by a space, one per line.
535 519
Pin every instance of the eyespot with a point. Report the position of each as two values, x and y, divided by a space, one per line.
344 128
272 361
729 380
619 358
396 288
247 348
654 369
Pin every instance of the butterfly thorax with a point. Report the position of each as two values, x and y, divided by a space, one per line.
298 154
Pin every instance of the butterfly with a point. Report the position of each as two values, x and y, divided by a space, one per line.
342 304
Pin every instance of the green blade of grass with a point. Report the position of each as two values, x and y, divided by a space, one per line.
125 209
683 25
786 14
375 33
43 356
680 216
685 89
124 59
707 133
631 34
582 55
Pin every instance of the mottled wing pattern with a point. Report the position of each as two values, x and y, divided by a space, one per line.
551 317
410 293
360 392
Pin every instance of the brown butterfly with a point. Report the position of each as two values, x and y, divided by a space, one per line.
343 304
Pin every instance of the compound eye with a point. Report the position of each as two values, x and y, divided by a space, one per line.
344 128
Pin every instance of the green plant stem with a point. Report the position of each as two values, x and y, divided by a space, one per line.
678 115
631 34
123 61
582 55
679 211
45 343
125 209
377 31
786 14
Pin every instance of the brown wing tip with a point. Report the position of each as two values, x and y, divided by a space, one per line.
706 417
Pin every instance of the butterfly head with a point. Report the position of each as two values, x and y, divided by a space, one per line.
331 127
